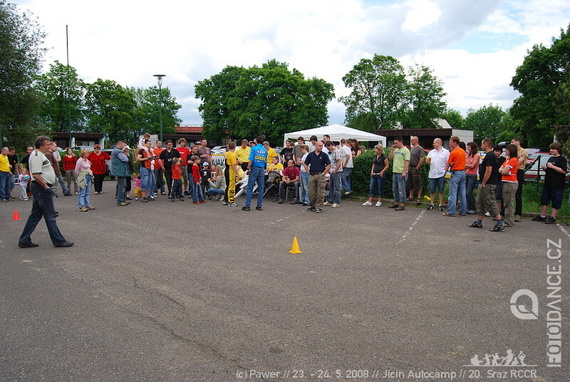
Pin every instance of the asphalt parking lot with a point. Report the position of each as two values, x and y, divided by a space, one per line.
184 292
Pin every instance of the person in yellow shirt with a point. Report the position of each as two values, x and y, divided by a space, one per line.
275 165
231 172
5 174
242 154
270 152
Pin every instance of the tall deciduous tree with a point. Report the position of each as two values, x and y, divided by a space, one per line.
487 122
111 109
21 53
148 110
270 100
62 96
378 89
542 72
424 99
453 117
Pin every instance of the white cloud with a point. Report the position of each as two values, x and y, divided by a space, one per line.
128 41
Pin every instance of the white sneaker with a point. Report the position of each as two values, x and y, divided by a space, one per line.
488 214
367 203
326 204
378 204
335 205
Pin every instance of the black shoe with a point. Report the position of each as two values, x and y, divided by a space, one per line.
440 207
498 228
295 201
27 245
304 204
186 193
258 208
539 218
476 225
431 207
245 208
280 201
550 220
311 209
394 205
65 244
318 210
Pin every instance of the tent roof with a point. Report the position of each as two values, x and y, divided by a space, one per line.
337 132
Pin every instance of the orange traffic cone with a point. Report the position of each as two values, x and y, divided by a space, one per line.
16 215
295 247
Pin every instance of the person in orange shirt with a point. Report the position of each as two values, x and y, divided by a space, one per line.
510 183
457 183
158 170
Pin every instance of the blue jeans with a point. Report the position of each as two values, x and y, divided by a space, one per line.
347 179
256 174
399 188
147 180
4 185
121 187
376 184
334 187
42 206
305 188
471 180
197 195
83 198
457 186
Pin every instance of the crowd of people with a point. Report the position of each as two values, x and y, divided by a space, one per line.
316 172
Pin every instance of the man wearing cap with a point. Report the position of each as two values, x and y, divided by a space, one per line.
120 169
43 177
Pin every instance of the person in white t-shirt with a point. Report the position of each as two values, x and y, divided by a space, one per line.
437 160
348 167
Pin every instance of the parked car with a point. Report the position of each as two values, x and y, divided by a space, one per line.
79 148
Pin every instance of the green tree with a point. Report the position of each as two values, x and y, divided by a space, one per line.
424 99
111 109
21 53
487 122
148 109
378 89
542 72
62 95
270 100
453 117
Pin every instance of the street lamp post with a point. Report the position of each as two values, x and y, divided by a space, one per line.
159 80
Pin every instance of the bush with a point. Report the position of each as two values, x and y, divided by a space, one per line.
361 174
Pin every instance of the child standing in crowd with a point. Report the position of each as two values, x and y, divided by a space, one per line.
206 176
138 193
176 186
197 196
24 179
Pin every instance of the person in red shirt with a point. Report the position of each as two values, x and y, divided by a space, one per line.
457 184
98 160
69 161
184 152
197 195
290 178
176 186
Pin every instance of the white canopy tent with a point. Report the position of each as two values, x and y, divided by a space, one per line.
336 132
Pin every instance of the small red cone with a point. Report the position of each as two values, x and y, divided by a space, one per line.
16 215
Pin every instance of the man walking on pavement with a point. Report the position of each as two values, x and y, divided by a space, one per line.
43 178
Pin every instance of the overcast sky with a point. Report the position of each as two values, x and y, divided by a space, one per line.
474 46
